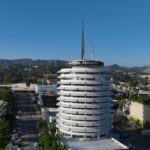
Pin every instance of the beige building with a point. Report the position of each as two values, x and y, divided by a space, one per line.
140 111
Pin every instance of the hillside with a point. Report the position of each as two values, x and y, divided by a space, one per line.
116 67
5 63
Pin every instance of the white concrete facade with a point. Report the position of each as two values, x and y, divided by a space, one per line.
85 101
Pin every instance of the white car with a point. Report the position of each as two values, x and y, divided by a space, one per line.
36 144
19 140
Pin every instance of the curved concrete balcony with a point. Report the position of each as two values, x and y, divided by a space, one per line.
84 76
83 129
84 99
84 82
85 70
84 94
84 88
83 105
82 133
100 117
83 111
83 123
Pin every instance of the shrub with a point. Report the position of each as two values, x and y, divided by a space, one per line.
41 125
136 121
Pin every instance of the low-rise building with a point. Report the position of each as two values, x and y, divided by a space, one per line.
47 90
102 144
47 95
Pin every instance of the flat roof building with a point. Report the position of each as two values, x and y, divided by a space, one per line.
103 144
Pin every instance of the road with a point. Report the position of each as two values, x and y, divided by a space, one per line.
26 121
135 139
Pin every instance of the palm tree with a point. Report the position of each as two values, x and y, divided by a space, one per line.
115 107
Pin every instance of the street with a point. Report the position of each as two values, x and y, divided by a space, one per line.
25 122
134 140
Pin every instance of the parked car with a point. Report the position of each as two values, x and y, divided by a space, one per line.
14 131
18 140
19 133
36 144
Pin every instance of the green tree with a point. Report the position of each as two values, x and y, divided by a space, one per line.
4 132
115 107
42 125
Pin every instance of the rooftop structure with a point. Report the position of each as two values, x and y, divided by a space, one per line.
103 144
43 89
20 87
86 63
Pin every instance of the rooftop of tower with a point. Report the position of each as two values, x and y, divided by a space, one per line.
86 63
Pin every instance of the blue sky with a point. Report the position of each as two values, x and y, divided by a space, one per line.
51 29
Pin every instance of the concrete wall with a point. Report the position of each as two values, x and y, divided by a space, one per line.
140 111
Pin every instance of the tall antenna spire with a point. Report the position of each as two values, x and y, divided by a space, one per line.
83 48
92 52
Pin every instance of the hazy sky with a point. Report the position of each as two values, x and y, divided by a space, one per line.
51 29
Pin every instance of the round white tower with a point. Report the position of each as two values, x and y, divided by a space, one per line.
85 100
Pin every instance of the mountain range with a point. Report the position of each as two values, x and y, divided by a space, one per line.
145 69
6 63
